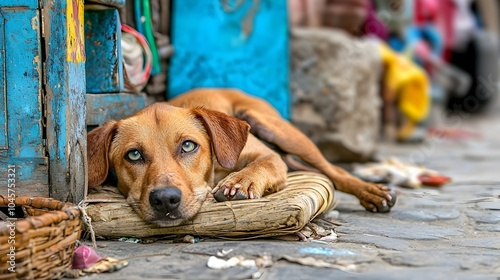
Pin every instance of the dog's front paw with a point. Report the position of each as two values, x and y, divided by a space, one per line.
236 186
248 184
377 198
220 195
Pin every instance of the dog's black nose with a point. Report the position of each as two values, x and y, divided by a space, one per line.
165 200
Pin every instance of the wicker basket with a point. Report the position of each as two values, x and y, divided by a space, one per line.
44 241
306 196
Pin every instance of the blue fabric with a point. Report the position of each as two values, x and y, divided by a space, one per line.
218 48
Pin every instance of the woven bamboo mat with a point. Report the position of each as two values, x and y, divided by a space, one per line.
306 196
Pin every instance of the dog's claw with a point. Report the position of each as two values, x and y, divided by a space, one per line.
240 196
386 206
220 196
394 198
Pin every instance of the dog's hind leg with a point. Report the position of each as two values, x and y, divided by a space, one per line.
270 127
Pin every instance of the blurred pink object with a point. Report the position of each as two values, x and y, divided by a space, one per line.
423 51
373 25
84 257
426 11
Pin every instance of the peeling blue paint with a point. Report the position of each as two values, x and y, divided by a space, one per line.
104 66
19 3
21 132
65 87
22 91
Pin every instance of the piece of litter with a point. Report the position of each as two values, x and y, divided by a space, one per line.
223 253
218 263
130 240
84 257
310 261
397 172
330 238
190 239
264 261
247 263
106 265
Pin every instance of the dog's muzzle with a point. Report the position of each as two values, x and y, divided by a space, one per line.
165 202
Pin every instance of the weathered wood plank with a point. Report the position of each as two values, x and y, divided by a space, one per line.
104 67
21 129
30 177
65 98
104 107
22 82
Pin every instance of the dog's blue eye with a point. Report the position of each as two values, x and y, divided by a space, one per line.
134 155
189 146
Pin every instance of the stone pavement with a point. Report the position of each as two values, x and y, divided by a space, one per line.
451 232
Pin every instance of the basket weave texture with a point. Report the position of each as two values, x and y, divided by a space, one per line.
288 211
44 241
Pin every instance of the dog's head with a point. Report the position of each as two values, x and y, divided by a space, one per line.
163 158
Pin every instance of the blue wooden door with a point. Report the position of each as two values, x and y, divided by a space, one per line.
231 43
42 98
21 122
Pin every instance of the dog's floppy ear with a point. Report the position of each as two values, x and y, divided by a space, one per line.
98 142
228 134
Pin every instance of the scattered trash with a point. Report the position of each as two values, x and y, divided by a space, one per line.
264 261
433 180
315 233
218 263
191 239
130 240
84 257
87 261
394 171
310 261
223 253
187 239
331 237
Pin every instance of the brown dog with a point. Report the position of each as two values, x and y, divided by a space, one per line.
168 156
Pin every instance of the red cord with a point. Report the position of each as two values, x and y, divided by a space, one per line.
144 43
